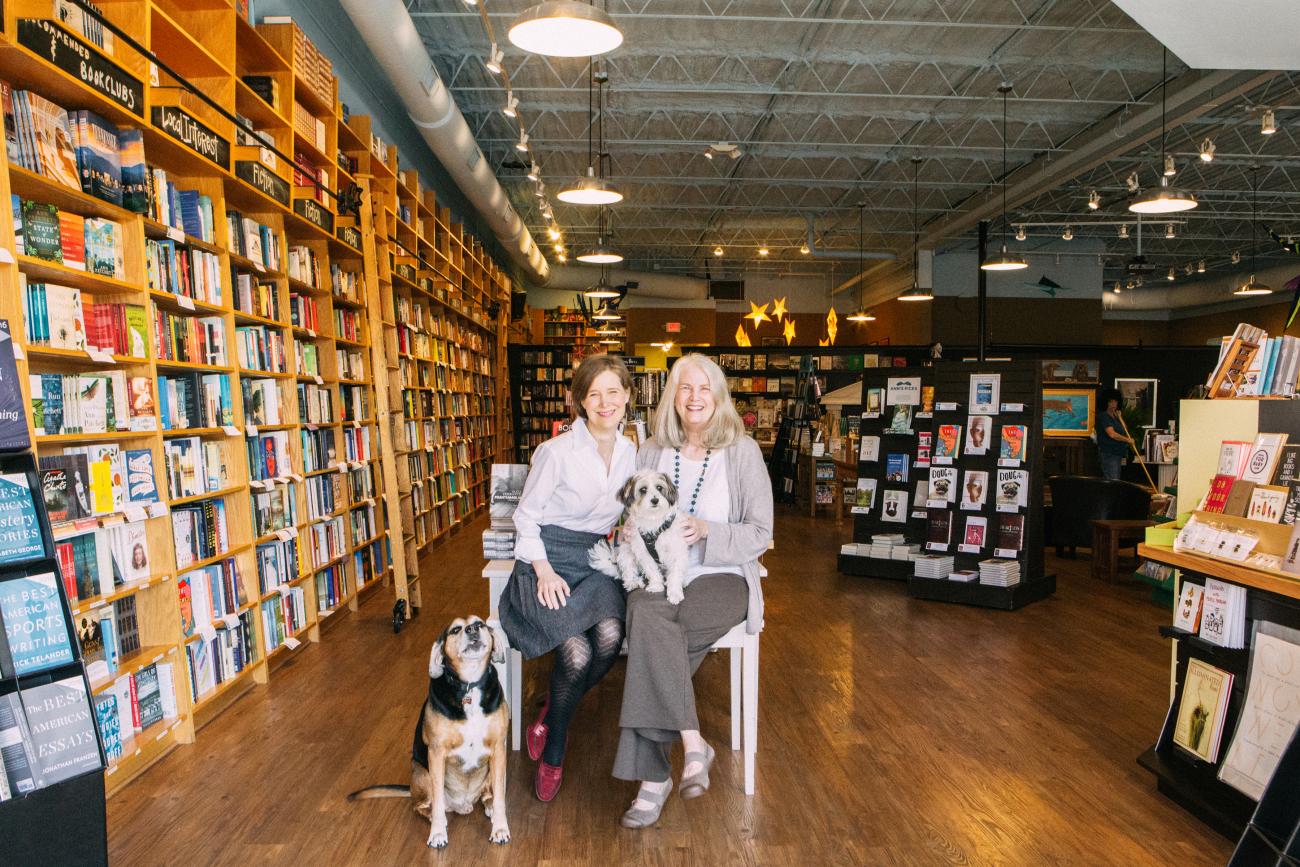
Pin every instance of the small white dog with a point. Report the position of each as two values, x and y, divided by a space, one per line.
657 556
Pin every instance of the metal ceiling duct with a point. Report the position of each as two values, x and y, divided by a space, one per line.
1216 289
388 31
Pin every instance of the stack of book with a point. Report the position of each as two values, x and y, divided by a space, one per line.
933 566
905 552
882 545
965 576
507 487
1000 573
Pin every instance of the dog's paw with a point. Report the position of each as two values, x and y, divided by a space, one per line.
630 584
675 595
499 835
438 840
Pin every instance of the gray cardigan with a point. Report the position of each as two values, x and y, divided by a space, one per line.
746 537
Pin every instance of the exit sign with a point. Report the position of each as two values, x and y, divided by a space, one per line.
673 327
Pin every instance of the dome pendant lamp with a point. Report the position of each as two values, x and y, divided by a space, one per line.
1004 260
1166 199
592 189
1251 287
565 28
916 293
601 254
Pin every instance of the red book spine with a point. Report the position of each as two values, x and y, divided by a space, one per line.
135 706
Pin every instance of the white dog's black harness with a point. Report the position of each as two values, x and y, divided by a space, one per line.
653 536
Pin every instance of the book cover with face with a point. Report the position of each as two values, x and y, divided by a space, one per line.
943 486
974 489
1013 489
978 434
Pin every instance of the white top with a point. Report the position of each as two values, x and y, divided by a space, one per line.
569 487
713 504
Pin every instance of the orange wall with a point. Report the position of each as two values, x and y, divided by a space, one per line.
646 324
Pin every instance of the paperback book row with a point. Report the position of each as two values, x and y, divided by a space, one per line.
219 654
90 244
62 317
284 617
90 403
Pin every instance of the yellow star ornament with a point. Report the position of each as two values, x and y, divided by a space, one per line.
789 331
778 309
832 326
742 339
758 314
823 343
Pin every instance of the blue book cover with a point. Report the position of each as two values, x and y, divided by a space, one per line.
13 420
99 158
191 221
36 632
17 205
896 466
20 525
141 483
135 174
110 725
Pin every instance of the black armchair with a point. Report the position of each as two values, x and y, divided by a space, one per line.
1077 501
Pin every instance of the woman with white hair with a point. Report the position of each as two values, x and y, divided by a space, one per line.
723 490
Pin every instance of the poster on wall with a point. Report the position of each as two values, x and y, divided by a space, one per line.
1068 412
1139 395
1072 372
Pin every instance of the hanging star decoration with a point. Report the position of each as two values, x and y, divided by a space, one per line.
758 314
742 339
832 326
823 342
789 331
778 309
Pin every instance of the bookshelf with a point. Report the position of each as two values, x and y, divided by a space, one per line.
569 329
272 353
541 398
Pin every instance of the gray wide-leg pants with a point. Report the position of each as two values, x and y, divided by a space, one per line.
666 644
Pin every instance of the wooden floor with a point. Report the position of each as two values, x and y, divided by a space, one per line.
892 732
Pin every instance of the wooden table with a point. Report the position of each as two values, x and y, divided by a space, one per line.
1108 536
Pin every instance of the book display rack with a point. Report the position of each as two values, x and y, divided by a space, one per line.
217 354
52 761
794 434
894 450
985 493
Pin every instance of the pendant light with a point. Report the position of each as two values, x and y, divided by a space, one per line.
565 28
592 189
1251 287
1003 260
1166 199
601 254
861 316
916 293
607 314
602 289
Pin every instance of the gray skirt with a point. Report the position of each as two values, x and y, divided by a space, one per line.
534 629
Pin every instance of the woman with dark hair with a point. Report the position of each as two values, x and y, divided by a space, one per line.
555 601
1112 443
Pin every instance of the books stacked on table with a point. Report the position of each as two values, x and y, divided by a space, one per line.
933 566
882 545
1000 573
500 545
965 576
905 552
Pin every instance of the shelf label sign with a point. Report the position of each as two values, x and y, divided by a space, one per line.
82 61
312 212
263 180
350 236
179 125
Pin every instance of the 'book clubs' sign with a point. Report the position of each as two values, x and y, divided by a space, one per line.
82 62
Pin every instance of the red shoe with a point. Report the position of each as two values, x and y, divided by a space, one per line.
536 734
547 783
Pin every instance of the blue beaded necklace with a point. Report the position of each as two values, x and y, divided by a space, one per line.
699 483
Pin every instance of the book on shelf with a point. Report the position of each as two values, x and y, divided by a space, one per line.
896 467
1262 457
1216 498
1223 614
943 487
1187 613
974 489
894 507
1202 707
864 496
1239 498
1267 503
36 633
1012 492
938 528
1269 712
947 443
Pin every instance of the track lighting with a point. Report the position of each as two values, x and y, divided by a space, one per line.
1020 233
763 251
1094 200
512 105
1207 151
1169 232
1123 231
1188 270
1268 123
534 173
1236 257
708 155
717 251
540 190
562 258
1200 267
554 233
804 249
1117 288
565 28
495 56
1170 275
1170 168
723 148
1129 285
1132 182
1068 234
522 144
559 247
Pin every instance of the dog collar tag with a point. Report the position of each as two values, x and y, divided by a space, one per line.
466 701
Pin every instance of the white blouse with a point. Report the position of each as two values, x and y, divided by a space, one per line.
712 505
569 487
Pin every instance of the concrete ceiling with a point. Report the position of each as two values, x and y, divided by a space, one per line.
831 100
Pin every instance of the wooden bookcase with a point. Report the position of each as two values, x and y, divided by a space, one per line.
354 288
540 375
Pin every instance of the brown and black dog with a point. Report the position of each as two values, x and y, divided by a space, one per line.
458 757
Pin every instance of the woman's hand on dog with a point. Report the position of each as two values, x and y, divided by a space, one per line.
552 590
694 529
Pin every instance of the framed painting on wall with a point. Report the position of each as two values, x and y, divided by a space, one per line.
1068 412
1139 396
1079 371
